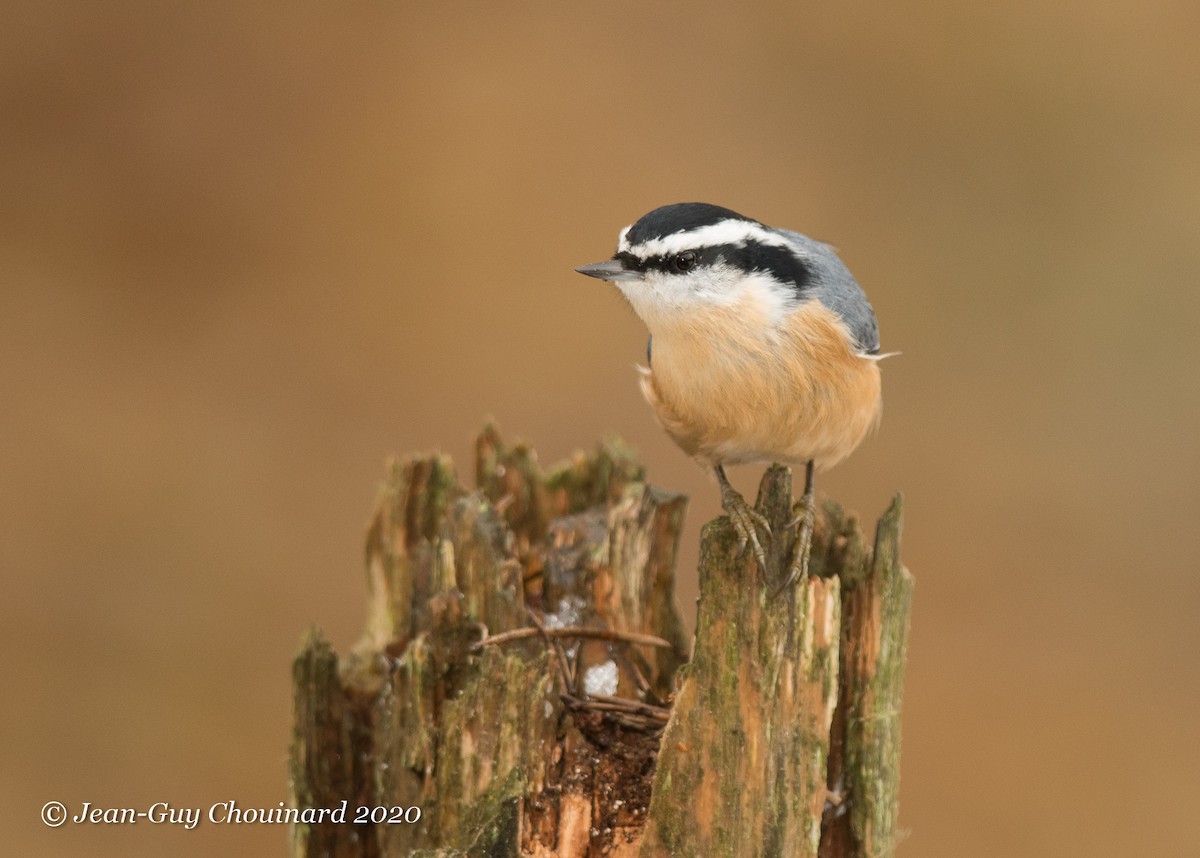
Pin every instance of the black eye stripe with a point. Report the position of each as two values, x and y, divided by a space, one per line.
781 264
750 256
630 262
700 257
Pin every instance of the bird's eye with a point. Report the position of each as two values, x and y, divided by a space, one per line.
685 261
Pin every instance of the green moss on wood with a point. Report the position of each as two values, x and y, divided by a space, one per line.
877 689
748 735
416 715
786 701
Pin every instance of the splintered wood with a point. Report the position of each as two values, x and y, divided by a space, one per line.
523 681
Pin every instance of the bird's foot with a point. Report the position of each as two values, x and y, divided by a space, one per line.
806 518
746 522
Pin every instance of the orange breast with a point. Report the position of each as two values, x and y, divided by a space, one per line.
728 387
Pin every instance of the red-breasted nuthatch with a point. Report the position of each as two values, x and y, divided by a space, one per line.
763 348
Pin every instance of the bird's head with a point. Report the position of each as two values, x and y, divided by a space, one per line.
689 258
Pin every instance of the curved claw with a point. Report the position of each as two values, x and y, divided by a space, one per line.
746 522
803 545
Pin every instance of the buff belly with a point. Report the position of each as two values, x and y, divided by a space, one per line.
728 394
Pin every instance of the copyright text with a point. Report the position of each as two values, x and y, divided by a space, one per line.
55 814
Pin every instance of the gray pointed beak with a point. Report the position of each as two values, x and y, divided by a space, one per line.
609 269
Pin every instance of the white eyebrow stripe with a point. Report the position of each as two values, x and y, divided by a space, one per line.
728 231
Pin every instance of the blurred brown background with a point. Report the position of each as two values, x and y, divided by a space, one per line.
247 252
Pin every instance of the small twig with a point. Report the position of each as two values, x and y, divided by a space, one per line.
574 632
639 678
624 704
560 656
627 713
637 722
621 705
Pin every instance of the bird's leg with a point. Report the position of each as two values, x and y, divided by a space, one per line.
744 519
806 519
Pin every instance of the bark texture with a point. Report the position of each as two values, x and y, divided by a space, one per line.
521 686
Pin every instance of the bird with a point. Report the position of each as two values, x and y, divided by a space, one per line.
762 348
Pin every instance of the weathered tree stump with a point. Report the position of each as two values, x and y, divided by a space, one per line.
523 687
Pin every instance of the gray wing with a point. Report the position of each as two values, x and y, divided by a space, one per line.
834 286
